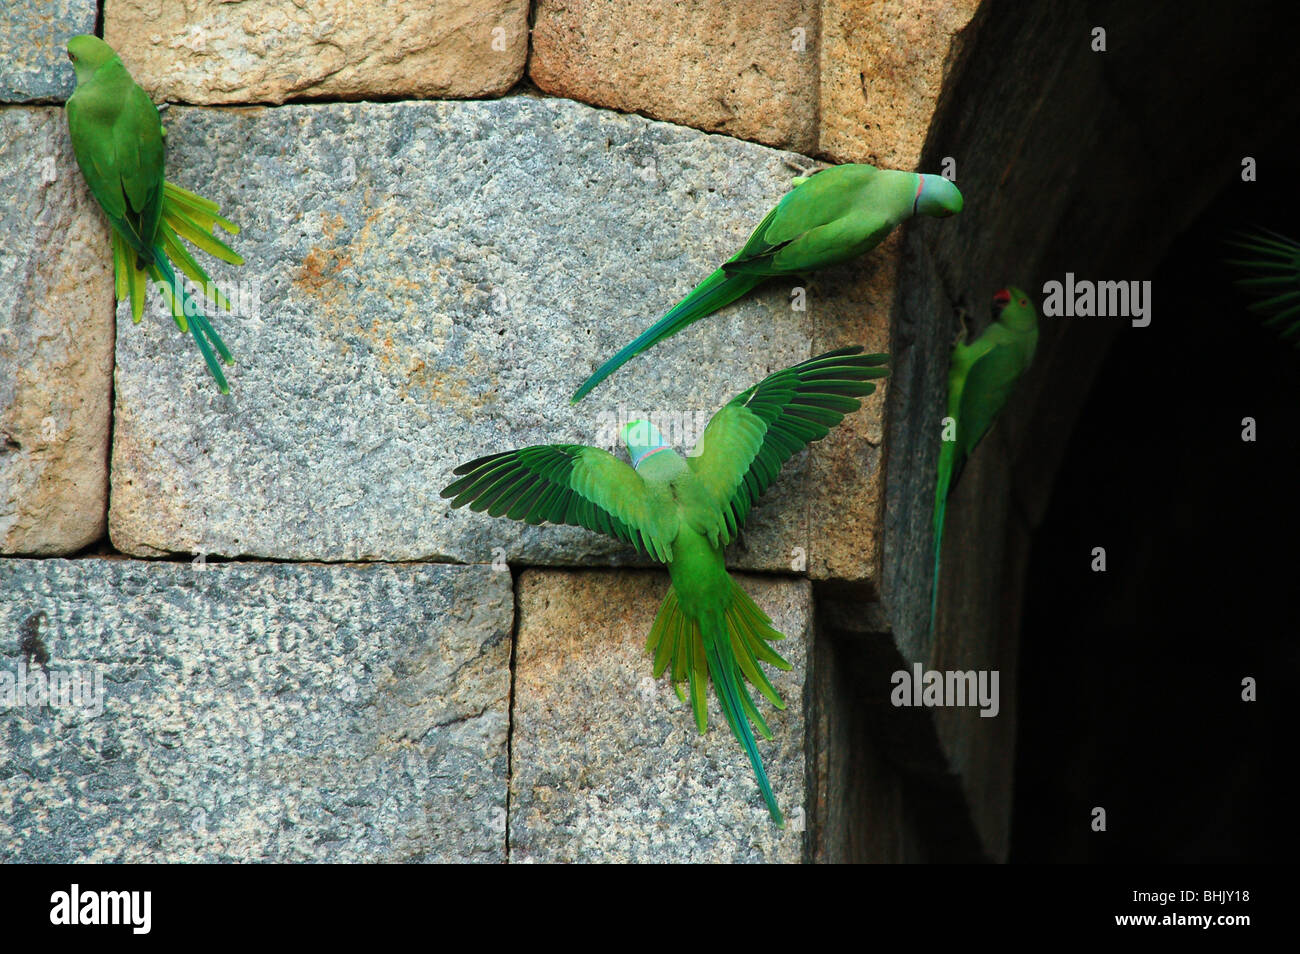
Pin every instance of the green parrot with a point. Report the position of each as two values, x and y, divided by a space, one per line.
829 217
1275 264
683 511
117 137
981 377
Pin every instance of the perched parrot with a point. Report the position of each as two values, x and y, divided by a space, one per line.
117 137
981 377
683 511
1275 263
829 217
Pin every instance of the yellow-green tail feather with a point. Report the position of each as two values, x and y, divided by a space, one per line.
724 647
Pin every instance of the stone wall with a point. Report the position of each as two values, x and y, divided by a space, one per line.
268 582
452 211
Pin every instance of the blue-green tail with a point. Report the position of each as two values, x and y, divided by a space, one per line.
940 512
716 291
737 705
191 317
724 647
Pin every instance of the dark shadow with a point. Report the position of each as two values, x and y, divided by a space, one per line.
1130 684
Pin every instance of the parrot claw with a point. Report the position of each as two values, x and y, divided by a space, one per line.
806 171
963 326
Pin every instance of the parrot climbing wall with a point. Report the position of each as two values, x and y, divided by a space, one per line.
449 220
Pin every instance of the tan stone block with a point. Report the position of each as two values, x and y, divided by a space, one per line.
56 342
721 66
212 51
845 542
606 761
883 67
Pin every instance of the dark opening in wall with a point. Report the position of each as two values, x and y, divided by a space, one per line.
1102 160
1130 680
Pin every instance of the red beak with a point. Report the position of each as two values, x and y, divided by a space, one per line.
1001 300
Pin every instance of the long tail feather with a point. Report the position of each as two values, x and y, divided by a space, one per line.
940 513
724 648
121 267
1273 266
204 212
190 230
192 217
202 332
716 291
183 260
736 704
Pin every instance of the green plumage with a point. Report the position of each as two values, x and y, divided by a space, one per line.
981 376
117 137
1273 262
683 511
830 217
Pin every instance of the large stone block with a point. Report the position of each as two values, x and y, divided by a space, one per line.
433 280
270 51
745 69
606 762
56 341
33 37
883 66
256 712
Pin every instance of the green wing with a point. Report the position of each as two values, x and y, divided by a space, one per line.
1274 261
821 221
568 484
744 446
117 137
990 379
138 138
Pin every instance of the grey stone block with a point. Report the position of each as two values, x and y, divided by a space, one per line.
33 39
257 712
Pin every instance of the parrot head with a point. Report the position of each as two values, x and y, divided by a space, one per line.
936 196
88 53
642 439
1012 307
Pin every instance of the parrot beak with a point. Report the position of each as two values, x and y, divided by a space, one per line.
1000 301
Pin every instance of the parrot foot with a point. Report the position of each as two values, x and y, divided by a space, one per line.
805 170
963 326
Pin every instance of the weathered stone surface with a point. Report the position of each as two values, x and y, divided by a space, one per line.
435 280
883 65
858 811
56 341
270 51
33 36
844 523
606 762
745 69
258 712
